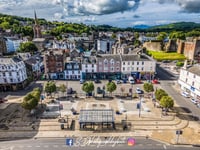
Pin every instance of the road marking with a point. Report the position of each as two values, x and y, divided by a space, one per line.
37 146
164 146
55 146
159 144
46 146
29 146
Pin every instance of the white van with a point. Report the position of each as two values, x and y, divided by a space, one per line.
185 94
131 80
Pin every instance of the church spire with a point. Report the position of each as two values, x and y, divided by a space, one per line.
36 20
36 27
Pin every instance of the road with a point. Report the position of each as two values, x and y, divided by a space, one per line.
60 144
167 80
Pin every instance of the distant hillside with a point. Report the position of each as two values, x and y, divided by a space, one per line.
142 26
179 26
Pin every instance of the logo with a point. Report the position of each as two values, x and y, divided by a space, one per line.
131 141
69 142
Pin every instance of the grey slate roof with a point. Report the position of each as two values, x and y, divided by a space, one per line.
134 58
195 70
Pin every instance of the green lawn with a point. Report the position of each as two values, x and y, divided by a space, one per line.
159 56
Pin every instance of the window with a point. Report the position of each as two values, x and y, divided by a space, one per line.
193 83
142 68
4 74
112 62
86 70
5 80
10 74
105 62
186 80
123 63
138 63
72 72
92 70
100 63
187 73
11 80
79 72
128 68
132 68
92 65
137 68
142 63
194 76
128 63
117 69
112 69
86 66
123 68
133 63
67 77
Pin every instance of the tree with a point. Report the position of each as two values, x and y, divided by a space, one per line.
27 47
160 93
88 87
36 93
50 87
111 86
62 88
29 102
162 36
148 87
167 102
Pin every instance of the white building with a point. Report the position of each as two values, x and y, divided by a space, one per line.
138 66
189 81
73 70
105 45
12 44
89 67
12 74
146 38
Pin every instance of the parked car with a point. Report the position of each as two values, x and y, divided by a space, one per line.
194 101
70 91
2 100
155 81
198 105
185 94
82 81
97 81
138 91
131 80
118 82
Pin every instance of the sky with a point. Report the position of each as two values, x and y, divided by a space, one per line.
119 13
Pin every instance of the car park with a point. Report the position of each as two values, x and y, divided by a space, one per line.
185 94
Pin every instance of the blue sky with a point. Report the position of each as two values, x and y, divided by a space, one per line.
120 13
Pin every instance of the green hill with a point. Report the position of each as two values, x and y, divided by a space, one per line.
179 26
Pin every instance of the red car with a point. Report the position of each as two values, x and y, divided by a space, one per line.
155 81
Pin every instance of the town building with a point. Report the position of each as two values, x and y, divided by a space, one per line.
54 65
108 66
105 46
73 70
189 80
138 66
89 67
3 48
12 44
13 74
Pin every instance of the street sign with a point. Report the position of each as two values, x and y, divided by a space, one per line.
69 142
